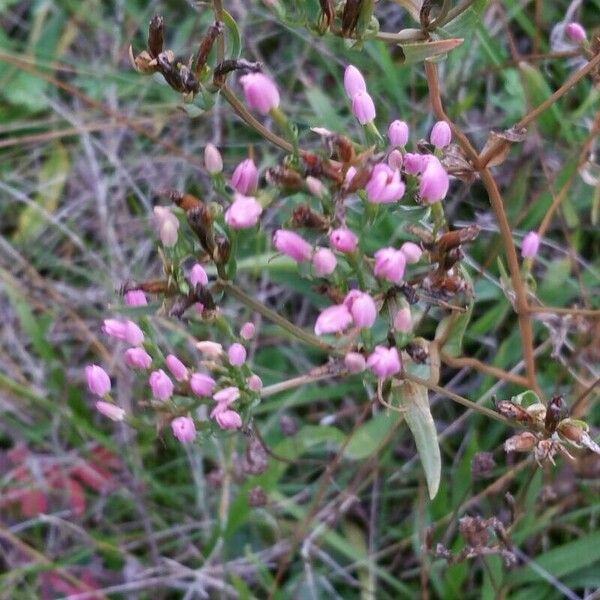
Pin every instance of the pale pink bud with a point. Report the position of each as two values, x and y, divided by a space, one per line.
167 224
384 362
228 419
343 240
362 308
363 108
350 173
137 358
243 213
355 362
384 185
126 331
414 163
434 181
98 380
162 386
198 276
260 91
110 410
390 264
441 134
403 320
333 319
177 368
412 252
324 261
212 159
398 133
210 349
530 245
248 330
245 177
292 245
236 354
201 384
315 187
135 298
395 159
575 32
184 429
227 396
254 383
354 82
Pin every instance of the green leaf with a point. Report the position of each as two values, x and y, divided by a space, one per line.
420 51
526 399
235 40
26 90
452 329
413 398
466 21
368 438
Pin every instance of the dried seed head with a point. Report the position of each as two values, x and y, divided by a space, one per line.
522 442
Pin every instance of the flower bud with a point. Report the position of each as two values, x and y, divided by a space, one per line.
434 181
384 362
324 261
137 358
530 245
441 134
363 108
333 320
177 368
343 240
254 383
135 298
395 159
354 82
126 331
98 380
110 410
245 177
355 362
248 330
398 133
198 276
260 91
236 354
162 386
362 308
576 33
390 264
292 245
184 429
212 159
315 187
412 252
228 419
243 213
210 349
227 396
403 320
201 384
167 224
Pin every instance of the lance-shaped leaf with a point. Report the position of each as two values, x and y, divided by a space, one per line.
420 51
413 398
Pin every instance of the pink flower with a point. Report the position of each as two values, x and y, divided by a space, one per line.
254 383
110 410
236 354
354 82
403 320
441 134
434 181
355 362
243 213
211 349
137 358
212 159
362 308
245 177
324 261
414 163
184 429
315 187
292 245
135 298
333 319
126 331
398 133
530 245
201 384
248 330
228 419
395 159
412 252
227 396
350 173
162 386
385 185
390 264
384 362
575 32
98 380
260 91
198 276
177 368
343 240
167 224
363 108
